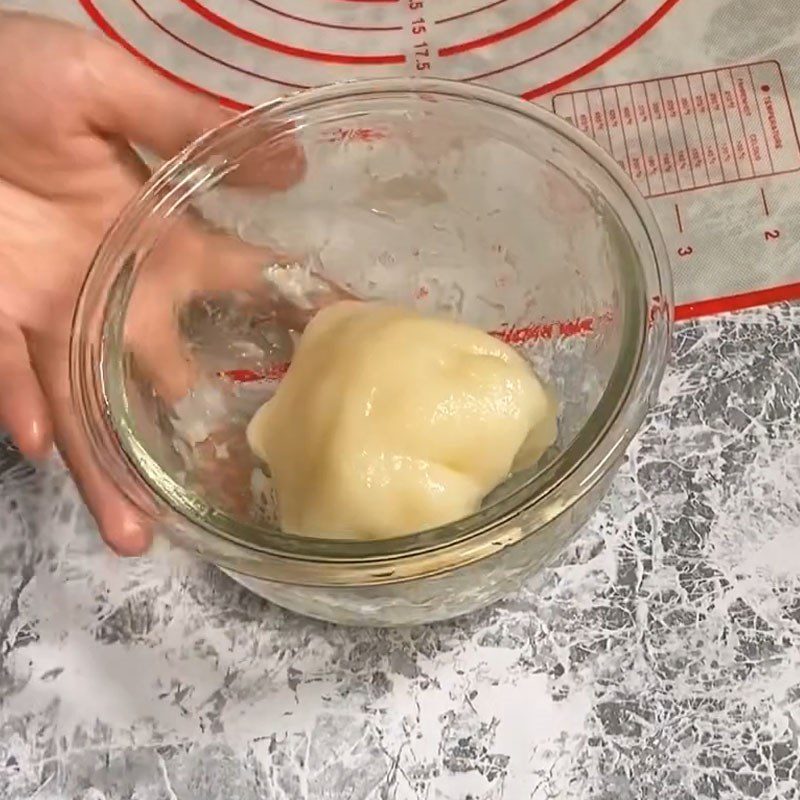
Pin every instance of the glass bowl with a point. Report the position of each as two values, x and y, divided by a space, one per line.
450 198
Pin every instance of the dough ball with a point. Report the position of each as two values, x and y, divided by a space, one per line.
388 423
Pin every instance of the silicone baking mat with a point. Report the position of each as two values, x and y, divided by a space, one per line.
695 99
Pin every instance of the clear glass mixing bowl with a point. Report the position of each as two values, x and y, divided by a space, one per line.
451 198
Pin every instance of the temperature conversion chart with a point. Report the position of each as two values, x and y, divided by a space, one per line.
690 131
695 99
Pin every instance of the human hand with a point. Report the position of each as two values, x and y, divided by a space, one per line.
71 105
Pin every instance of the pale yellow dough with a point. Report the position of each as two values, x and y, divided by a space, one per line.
388 422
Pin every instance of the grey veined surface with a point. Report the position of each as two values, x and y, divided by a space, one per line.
659 658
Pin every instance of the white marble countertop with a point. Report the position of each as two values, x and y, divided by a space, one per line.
659 659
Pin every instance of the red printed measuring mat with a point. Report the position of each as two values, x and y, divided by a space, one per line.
695 99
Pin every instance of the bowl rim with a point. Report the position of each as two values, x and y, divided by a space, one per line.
647 321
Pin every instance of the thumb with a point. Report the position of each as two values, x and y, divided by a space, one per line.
131 101
124 528
23 408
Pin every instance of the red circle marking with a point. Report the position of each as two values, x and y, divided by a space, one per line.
333 26
507 33
470 13
286 49
607 55
564 80
209 56
551 49
105 26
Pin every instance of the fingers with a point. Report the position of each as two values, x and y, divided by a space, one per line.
23 409
226 263
152 334
194 260
125 529
190 260
128 99
272 157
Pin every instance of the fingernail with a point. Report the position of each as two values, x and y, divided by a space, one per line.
128 536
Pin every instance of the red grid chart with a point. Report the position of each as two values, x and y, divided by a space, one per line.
690 131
